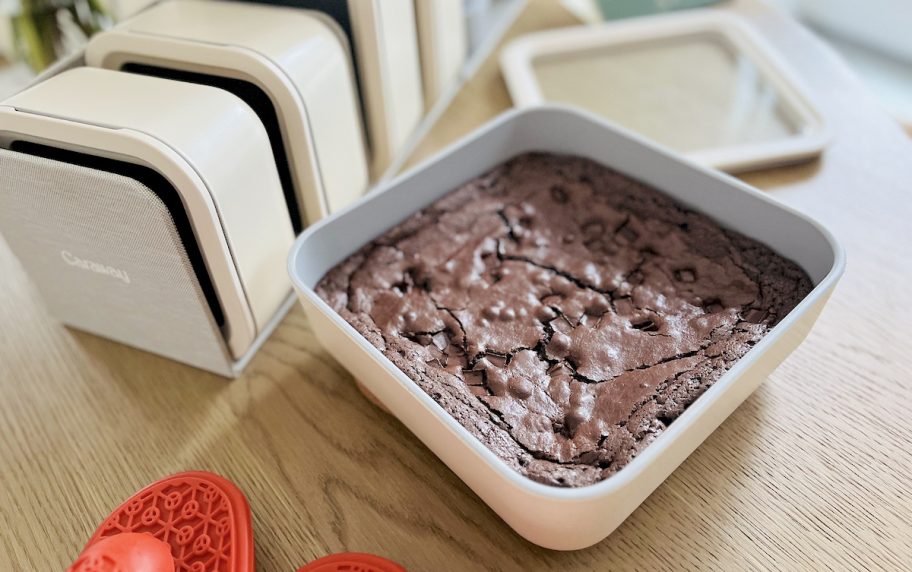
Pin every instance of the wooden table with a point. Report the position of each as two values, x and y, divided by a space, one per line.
812 472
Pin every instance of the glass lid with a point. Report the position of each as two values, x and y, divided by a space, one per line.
690 93
701 82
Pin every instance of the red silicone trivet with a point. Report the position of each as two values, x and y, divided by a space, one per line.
203 518
352 562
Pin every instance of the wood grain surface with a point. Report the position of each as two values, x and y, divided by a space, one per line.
812 472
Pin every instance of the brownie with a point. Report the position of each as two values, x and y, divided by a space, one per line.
563 313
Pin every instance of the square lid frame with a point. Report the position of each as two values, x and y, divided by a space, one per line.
519 57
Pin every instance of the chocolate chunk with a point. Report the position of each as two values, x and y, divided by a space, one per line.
685 275
559 194
645 325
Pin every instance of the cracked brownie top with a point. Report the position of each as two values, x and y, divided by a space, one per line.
563 313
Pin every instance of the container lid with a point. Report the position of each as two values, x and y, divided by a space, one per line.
701 82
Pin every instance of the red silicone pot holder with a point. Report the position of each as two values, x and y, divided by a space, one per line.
203 518
352 562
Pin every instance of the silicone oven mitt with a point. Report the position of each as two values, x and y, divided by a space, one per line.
189 522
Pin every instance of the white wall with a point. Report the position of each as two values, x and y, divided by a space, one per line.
885 25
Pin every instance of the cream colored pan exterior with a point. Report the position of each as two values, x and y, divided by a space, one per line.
298 57
224 172
559 518
443 42
386 45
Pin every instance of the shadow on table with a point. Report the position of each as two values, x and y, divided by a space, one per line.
770 179
158 389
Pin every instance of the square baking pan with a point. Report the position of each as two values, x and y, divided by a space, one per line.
702 82
562 518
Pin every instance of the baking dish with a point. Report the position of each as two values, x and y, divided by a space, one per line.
442 45
562 518
383 38
100 178
290 66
